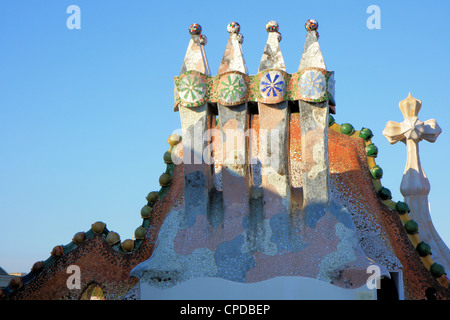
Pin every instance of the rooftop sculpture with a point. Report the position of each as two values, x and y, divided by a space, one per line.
415 186
262 187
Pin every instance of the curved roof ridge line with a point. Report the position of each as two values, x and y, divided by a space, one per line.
409 224
113 238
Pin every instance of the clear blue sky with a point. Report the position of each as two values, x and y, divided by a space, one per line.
85 114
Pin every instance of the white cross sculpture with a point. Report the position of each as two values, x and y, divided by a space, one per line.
415 186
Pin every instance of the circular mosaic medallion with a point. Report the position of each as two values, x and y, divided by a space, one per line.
312 85
272 85
192 88
232 88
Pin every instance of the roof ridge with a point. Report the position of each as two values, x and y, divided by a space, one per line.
402 208
113 238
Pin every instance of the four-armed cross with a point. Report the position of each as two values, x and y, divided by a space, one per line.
415 185
411 131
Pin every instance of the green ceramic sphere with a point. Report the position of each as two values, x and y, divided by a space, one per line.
127 245
385 194
98 227
330 120
112 238
402 207
140 232
165 180
366 134
15 283
168 157
152 197
57 252
371 150
146 212
411 227
79 238
437 270
37 267
376 172
347 129
423 249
